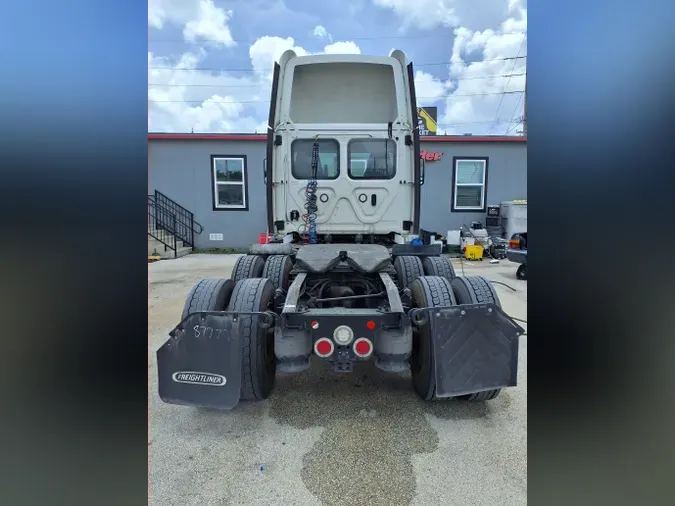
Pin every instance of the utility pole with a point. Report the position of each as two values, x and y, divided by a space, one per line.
525 105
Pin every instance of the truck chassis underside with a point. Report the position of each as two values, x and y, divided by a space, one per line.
342 306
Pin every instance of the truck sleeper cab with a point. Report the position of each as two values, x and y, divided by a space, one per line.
359 110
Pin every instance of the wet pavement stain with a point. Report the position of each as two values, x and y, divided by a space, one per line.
364 454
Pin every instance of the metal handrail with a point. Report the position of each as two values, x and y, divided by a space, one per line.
186 226
163 229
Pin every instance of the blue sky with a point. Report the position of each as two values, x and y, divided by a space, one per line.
210 60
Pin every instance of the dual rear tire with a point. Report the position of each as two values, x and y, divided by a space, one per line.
251 288
409 268
436 291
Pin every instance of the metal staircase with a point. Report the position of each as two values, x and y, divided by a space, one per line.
171 228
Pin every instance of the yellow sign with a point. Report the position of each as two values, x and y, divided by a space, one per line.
426 120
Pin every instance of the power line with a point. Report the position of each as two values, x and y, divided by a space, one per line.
515 110
314 39
499 107
482 122
470 78
223 69
267 101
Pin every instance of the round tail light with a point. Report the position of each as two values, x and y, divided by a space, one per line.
324 347
363 347
343 335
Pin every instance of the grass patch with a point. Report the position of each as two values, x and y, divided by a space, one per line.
219 251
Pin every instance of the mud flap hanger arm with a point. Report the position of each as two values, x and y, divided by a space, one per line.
268 318
420 316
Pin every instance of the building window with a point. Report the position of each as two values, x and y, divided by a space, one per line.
229 182
372 158
329 159
469 184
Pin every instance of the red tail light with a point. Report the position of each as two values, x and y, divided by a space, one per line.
363 347
324 347
264 238
514 244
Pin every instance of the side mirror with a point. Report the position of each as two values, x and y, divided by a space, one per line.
265 170
421 171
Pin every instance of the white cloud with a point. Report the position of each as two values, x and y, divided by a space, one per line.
428 14
182 98
467 92
200 19
321 33
428 89
423 14
266 50
477 86
348 47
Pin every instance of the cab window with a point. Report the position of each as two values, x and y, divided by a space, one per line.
329 159
372 158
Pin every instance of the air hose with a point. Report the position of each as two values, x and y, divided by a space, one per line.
310 196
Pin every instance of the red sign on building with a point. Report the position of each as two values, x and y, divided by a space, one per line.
430 156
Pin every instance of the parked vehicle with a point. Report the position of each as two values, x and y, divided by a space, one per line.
344 278
517 252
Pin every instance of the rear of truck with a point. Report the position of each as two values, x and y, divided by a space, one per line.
341 281
358 114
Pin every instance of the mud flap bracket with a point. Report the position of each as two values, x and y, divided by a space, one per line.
474 347
200 363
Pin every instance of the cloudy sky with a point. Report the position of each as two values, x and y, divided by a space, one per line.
210 61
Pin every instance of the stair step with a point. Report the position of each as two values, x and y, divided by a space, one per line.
156 247
167 240
181 252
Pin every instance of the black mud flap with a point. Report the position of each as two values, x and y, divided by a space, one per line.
200 364
475 348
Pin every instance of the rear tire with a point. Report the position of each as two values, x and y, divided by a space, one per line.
278 270
247 266
476 290
209 294
427 291
521 273
408 269
439 266
258 364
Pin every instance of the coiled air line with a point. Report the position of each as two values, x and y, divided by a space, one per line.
310 196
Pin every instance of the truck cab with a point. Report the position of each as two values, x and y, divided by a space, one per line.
360 112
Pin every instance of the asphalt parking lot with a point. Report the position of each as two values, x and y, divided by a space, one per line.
326 439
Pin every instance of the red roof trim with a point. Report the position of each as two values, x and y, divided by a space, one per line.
259 137
205 137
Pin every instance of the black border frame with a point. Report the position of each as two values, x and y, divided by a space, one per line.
366 139
455 159
339 165
213 183
269 150
417 169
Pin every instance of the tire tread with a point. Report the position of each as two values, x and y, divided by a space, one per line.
247 266
204 296
476 290
408 269
437 292
277 269
439 266
248 295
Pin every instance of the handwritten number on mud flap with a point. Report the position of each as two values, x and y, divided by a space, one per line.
206 331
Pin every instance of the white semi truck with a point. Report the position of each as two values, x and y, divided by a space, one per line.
342 279
361 113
